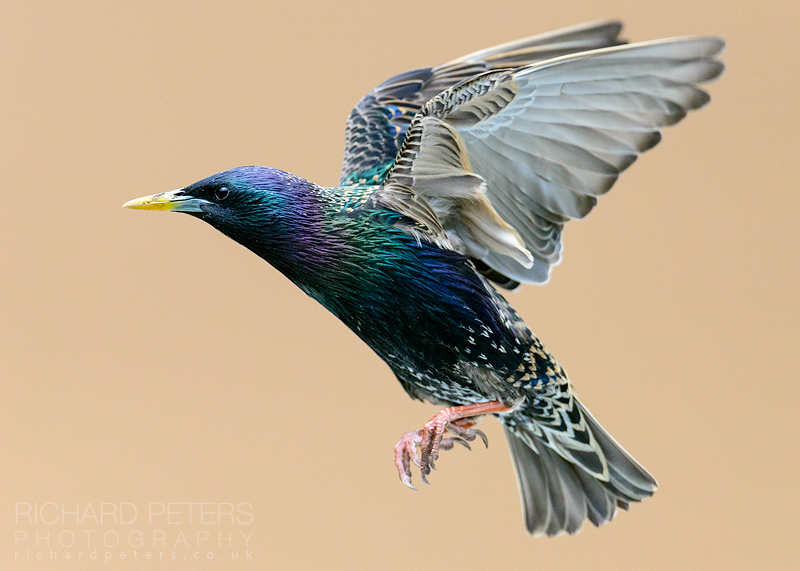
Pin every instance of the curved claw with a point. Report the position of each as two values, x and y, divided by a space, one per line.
469 434
406 479
448 443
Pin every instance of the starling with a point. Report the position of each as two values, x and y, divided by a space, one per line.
457 180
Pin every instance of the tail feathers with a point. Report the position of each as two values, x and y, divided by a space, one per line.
559 494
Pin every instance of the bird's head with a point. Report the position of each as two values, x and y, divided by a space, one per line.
232 194
258 207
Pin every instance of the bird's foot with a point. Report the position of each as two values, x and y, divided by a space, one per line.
457 420
405 451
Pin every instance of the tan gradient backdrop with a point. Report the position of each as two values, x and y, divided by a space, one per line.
146 360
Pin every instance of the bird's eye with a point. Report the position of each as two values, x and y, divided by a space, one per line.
222 193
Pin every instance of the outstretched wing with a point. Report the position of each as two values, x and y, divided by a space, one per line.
378 124
506 158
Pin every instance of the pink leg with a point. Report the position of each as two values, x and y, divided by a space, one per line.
458 420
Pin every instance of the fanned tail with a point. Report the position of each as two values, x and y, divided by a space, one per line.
558 494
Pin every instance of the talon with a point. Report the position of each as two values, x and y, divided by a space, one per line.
483 437
406 479
468 433
448 443
458 420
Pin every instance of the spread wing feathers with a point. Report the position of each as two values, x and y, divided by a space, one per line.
570 469
434 163
379 122
547 139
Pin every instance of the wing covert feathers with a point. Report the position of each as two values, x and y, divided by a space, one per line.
435 164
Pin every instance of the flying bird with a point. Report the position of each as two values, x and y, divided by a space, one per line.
456 183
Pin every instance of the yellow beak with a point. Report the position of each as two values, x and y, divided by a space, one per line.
174 200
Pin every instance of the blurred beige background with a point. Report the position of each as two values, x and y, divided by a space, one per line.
146 360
